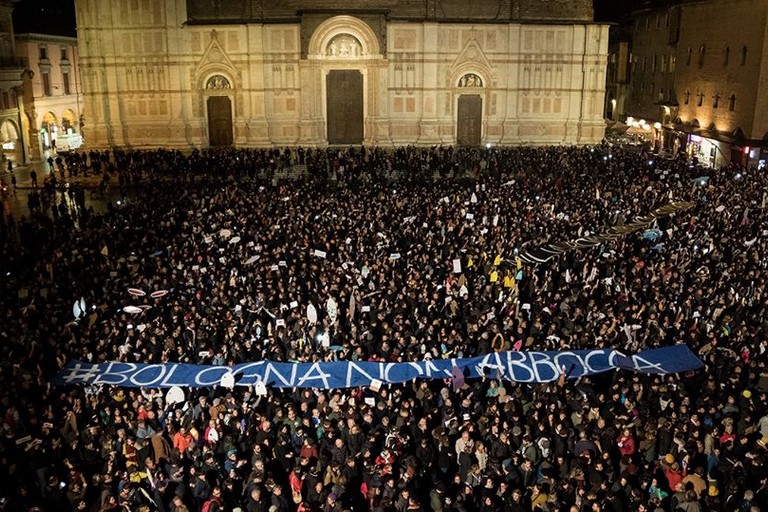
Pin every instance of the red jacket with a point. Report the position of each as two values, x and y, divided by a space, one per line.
626 445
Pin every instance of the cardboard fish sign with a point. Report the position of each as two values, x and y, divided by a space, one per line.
260 389
175 395
228 380
136 292
225 233
332 308
78 309
132 310
311 314
473 199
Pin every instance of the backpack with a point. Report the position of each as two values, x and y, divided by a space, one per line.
208 506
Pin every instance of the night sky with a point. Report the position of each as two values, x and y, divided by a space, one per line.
58 16
45 17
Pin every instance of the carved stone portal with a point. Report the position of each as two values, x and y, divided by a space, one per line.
470 80
344 46
218 82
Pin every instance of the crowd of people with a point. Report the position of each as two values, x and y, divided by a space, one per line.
242 253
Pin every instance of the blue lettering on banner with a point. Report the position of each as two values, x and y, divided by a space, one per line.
510 366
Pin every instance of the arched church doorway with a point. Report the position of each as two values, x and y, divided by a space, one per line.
219 121
469 120
218 94
344 105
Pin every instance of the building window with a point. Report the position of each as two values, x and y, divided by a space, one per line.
687 97
65 79
64 54
666 19
726 56
701 99
661 95
688 58
732 103
743 55
663 63
669 95
645 64
702 52
43 53
658 20
716 101
653 63
648 23
672 63
653 88
46 84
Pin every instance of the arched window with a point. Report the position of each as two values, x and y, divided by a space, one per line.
743 55
732 103
687 97
688 57
716 101
726 55
702 53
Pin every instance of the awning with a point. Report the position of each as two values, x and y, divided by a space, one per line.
719 136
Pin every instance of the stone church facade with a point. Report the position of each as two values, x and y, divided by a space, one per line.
200 73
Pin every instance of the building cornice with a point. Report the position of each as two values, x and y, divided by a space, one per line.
46 38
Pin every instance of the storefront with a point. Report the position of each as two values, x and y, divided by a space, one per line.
708 152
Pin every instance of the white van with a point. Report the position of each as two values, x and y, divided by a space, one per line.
68 142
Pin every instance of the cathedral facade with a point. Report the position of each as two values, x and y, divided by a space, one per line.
201 73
